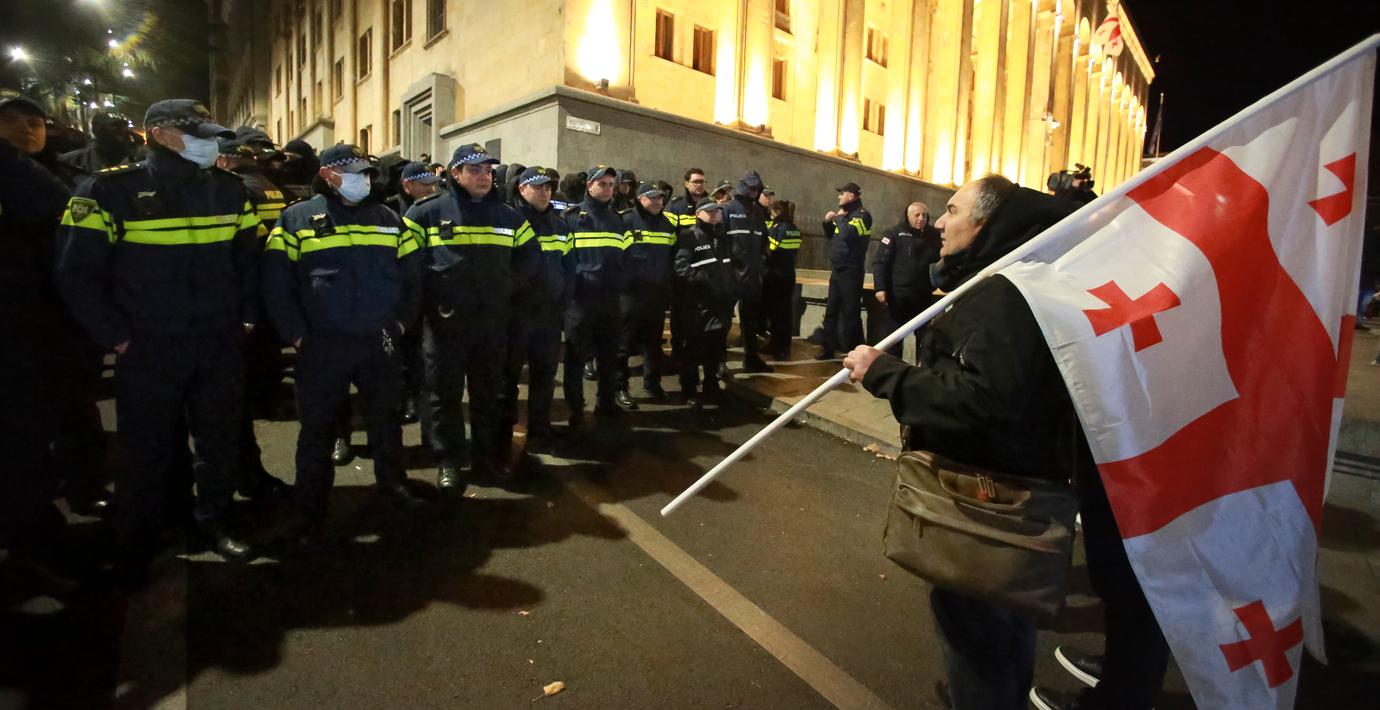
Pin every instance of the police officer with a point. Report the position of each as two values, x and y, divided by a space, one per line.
901 267
342 282
778 283
723 192
419 183
651 250
597 249
534 333
158 260
110 145
31 200
263 351
681 212
848 228
477 248
704 265
624 196
745 225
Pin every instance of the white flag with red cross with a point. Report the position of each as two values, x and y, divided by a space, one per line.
1202 317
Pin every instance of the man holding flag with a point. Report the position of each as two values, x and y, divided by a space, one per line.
1156 303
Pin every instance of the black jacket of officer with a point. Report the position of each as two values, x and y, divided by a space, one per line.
783 244
475 252
160 247
901 265
31 204
597 248
344 269
681 212
651 246
746 227
552 281
849 231
267 198
704 266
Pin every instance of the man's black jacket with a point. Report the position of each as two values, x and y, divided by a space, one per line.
901 266
987 392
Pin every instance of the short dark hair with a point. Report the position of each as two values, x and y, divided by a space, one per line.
992 190
691 171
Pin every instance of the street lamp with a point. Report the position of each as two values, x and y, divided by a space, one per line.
126 73
18 54
112 43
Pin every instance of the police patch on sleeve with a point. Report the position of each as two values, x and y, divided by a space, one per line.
81 208
886 240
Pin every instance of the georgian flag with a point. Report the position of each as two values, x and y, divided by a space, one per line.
1201 315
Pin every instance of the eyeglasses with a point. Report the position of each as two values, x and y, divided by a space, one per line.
697 182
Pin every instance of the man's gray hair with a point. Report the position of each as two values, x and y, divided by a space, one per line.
992 190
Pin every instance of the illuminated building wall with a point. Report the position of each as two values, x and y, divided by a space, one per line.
935 90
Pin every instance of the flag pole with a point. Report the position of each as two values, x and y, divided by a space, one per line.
1091 212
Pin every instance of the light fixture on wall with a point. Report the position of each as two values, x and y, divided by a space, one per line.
602 85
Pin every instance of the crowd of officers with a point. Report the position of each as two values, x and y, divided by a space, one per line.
198 258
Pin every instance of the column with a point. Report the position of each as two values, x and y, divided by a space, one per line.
1019 49
726 63
987 46
757 58
850 88
917 84
827 92
940 107
897 73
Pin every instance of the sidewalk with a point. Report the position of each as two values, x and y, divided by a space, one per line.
852 414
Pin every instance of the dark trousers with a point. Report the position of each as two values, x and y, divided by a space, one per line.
778 305
28 519
263 367
682 319
1136 654
843 329
78 437
413 364
705 349
463 353
534 341
750 315
591 329
644 321
166 387
900 308
989 651
329 363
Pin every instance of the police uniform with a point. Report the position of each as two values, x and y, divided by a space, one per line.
778 286
534 333
681 212
475 251
704 266
598 244
651 249
901 269
31 198
747 233
414 368
159 259
849 232
263 356
343 282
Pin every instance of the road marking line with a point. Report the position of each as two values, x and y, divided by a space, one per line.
801 658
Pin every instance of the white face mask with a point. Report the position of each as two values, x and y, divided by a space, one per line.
202 151
354 187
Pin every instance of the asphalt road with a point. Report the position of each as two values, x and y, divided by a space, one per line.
767 591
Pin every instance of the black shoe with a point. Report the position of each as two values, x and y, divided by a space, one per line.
756 365
608 409
826 354
780 355
1085 667
448 480
1046 699
625 400
409 410
710 397
576 423
401 493
341 452
92 506
224 544
306 529
590 374
502 471
654 391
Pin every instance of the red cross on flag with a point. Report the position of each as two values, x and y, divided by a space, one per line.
1201 315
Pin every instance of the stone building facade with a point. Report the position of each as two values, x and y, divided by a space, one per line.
906 97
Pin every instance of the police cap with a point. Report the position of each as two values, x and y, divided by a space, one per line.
849 187
472 154
599 171
187 115
708 205
419 172
346 158
536 175
649 189
10 98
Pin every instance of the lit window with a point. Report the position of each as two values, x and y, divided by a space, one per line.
876 46
778 79
703 59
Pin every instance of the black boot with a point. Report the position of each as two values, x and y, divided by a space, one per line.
624 399
232 548
448 480
590 374
341 453
654 390
409 409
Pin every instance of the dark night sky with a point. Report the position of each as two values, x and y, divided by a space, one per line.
1217 58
